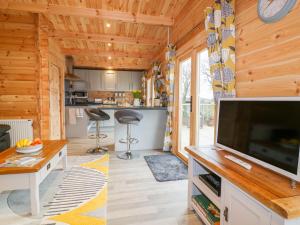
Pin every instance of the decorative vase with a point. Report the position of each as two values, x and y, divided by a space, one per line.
136 102
156 102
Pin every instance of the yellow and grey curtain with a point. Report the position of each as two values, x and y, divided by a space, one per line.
220 26
159 81
169 85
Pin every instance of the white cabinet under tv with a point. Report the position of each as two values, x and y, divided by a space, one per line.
242 209
248 197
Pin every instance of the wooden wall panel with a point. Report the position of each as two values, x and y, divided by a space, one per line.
267 55
19 67
25 55
43 50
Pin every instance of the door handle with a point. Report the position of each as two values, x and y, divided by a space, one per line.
225 214
191 109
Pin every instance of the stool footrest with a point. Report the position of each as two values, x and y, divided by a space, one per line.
102 136
131 141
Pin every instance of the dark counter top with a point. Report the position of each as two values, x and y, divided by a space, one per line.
115 107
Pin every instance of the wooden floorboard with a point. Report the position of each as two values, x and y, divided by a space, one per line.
136 198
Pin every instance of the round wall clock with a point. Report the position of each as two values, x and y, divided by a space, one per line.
271 11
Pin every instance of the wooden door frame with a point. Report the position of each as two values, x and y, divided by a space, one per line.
59 62
189 49
177 117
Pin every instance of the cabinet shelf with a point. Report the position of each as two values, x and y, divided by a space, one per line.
207 191
200 214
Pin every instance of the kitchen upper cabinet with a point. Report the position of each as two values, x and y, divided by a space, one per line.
95 80
123 80
101 80
136 80
129 80
238 206
109 80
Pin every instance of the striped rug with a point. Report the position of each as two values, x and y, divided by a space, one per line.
81 198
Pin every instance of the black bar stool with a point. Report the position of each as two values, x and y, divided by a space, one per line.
128 117
97 115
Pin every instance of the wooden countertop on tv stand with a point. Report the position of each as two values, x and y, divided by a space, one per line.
271 189
50 149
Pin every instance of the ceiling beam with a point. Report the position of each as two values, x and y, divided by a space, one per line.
107 38
107 65
87 12
99 53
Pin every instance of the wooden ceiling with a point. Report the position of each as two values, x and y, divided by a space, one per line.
113 34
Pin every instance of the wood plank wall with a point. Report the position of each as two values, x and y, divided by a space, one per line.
19 67
268 55
43 50
25 54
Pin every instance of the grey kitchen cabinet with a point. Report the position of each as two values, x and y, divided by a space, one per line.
136 80
109 79
123 80
101 80
95 80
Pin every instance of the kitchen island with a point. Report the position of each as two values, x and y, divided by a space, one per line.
150 131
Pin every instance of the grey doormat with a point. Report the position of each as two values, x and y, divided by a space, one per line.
166 167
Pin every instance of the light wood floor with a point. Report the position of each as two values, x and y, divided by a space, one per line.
136 198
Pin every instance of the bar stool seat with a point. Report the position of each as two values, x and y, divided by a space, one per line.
97 115
128 117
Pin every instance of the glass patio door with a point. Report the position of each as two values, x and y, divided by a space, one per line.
185 104
206 103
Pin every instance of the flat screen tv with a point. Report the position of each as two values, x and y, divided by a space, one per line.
263 130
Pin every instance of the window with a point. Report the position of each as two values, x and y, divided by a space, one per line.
185 74
206 104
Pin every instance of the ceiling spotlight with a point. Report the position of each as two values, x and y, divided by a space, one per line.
109 57
108 25
109 44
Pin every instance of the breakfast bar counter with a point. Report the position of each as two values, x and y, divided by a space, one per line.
150 131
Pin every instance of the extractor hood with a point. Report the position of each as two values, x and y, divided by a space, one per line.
69 69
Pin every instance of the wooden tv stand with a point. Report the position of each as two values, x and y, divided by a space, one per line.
251 197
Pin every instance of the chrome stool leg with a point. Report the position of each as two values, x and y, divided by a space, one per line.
129 141
99 149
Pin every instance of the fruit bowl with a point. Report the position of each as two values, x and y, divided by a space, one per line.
30 149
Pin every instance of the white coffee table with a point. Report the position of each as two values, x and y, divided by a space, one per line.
15 178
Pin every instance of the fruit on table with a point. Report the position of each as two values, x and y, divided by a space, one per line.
36 141
25 142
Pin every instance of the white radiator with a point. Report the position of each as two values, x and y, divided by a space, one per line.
20 128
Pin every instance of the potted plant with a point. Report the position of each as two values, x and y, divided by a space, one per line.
137 95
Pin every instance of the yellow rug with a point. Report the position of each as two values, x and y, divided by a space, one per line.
86 184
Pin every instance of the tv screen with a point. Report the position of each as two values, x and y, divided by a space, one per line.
265 130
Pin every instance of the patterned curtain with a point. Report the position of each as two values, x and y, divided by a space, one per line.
170 72
220 25
159 80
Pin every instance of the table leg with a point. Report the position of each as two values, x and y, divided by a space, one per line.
34 194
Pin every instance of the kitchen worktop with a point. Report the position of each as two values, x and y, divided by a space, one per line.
101 106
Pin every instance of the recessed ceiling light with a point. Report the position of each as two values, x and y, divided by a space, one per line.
108 25
109 44
109 57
